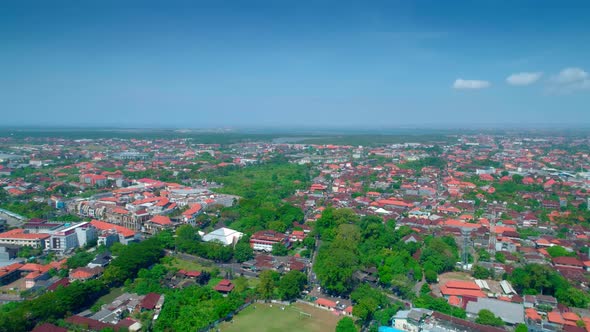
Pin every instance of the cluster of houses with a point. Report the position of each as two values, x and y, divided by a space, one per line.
485 190
114 315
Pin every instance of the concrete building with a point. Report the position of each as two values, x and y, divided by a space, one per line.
264 240
511 313
20 237
224 235
71 237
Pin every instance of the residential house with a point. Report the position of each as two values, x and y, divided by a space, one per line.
224 286
85 273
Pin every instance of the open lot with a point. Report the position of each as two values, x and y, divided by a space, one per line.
112 295
186 264
273 318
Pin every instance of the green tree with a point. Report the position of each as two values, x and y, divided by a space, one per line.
28 251
79 260
486 317
335 268
367 301
243 252
573 297
267 285
559 251
431 276
291 285
241 284
480 272
279 249
346 324
425 289
521 328
500 257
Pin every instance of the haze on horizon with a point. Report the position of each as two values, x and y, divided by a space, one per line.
292 63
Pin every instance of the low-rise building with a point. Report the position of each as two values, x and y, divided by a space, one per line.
264 240
224 235
20 237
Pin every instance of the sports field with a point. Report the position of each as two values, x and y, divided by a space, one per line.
267 318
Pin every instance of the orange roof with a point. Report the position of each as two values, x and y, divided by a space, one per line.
32 267
571 316
325 303
453 300
531 313
461 292
104 226
195 208
459 223
9 268
502 229
20 234
555 317
394 202
161 220
462 284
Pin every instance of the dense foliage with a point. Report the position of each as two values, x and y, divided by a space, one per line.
51 306
440 305
79 259
346 324
189 241
542 279
194 308
261 188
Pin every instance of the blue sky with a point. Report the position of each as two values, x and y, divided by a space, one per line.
295 63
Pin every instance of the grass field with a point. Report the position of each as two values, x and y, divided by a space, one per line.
112 295
182 264
264 318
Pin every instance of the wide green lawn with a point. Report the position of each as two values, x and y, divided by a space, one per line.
182 264
270 318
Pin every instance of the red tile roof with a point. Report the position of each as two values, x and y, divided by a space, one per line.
571 316
150 300
195 208
83 273
325 303
92 324
20 234
64 282
224 286
161 220
462 284
531 313
104 226
555 317
571 261
461 289
48 327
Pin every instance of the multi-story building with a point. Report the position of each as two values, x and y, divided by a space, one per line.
264 240
20 237
69 238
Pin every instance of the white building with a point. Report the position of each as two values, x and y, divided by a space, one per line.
224 235
75 236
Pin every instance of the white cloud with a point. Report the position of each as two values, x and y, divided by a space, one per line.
470 84
523 78
571 79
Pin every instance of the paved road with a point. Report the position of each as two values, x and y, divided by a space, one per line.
235 268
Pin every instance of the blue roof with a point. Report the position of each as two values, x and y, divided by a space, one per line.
388 329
